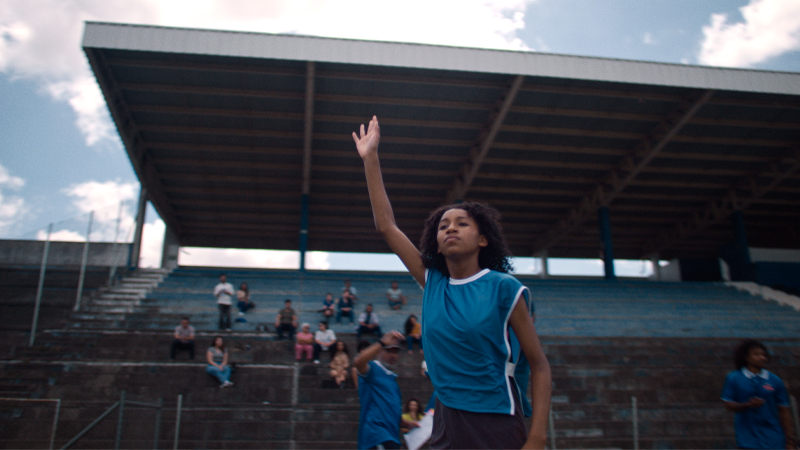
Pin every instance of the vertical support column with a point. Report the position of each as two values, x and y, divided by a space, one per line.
654 259
308 136
543 258
170 249
605 237
136 247
740 237
303 232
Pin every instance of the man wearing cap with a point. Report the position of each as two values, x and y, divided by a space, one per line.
380 419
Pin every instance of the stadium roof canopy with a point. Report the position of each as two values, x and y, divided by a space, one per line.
228 130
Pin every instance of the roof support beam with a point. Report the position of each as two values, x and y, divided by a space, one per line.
627 170
719 210
308 128
308 134
479 152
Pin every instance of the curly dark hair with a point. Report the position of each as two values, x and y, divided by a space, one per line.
495 256
740 354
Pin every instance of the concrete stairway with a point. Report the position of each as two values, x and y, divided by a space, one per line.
109 305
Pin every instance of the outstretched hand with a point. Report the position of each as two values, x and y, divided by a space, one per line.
367 142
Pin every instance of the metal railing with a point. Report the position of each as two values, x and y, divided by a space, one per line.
120 407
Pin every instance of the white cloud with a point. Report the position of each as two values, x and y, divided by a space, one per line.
770 28
234 257
104 200
318 261
12 208
152 244
40 39
648 38
61 235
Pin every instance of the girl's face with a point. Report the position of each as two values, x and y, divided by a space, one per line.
340 346
412 319
413 406
458 234
218 342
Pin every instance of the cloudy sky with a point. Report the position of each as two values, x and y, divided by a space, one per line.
60 155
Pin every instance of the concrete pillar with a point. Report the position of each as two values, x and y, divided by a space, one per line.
136 247
169 252
543 258
654 258
605 238
740 237
303 232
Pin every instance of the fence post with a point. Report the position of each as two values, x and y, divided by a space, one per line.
119 418
795 415
635 418
158 424
55 424
40 287
178 421
83 264
552 429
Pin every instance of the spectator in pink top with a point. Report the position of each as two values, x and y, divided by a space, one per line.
304 343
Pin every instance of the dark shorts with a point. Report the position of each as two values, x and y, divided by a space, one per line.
458 429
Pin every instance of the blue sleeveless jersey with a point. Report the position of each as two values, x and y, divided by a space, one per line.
381 407
470 348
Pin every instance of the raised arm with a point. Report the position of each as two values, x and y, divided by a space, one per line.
367 146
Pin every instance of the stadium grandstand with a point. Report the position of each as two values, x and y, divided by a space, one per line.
243 140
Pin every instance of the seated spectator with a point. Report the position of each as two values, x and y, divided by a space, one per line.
184 339
353 371
217 358
395 296
340 362
351 289
286 322
368 323
411 413
304 343
328 307
324 340
243 301
413 333
345 306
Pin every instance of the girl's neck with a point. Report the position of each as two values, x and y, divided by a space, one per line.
460 269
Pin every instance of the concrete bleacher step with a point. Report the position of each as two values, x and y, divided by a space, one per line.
673 368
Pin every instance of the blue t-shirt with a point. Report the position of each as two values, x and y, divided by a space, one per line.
470 348
380 406
757 427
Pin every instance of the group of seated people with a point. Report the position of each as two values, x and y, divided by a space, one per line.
306 344
216 355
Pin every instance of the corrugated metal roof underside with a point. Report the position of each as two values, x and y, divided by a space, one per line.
218 143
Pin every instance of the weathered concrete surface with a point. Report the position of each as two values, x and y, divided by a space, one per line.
29 253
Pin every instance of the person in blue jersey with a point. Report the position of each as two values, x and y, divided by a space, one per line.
759 399
480 342
381 408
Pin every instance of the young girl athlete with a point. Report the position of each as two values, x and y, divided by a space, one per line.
468 304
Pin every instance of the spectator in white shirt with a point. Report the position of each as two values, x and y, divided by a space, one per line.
223 292
324 340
